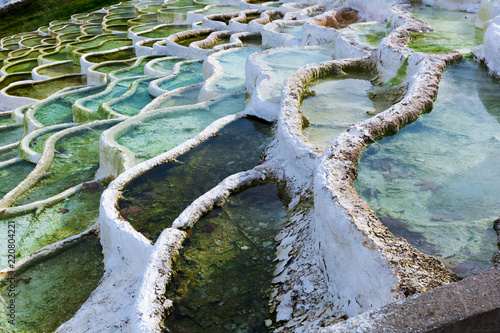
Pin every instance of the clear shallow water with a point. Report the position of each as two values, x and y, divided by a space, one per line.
11 134
12 174
136 70
158 196
165 31
232 78
148 139
120 87
8 154
43 89
280 70
224 272
60 69
189 73
454 30
49 292
339 104
295 31
58 110
166 65
75 161
437 181
185 96
371 33
131 105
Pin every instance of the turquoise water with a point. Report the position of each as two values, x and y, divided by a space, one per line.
59 110
131 105
120 87
280 70
339 104
161 194
224 272
11 134
232 78
12 174
75 161
166 65
436 182
190 73
186 96
74 273
295 31
148 139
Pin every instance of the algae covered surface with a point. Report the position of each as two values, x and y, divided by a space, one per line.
50 291
152 201
223 275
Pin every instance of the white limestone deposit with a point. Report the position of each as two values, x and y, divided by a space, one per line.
334 259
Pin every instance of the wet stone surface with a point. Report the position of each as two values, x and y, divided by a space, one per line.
224 272
153 201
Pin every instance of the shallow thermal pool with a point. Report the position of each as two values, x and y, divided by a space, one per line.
437 182
454 30
152 201
224 272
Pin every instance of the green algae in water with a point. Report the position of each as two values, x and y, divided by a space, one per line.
224 272
148 139
189 74
21 66
37 143
114 66
117 55
60 55
5 119
131 105
59 110
166 65
454 30
11 134
371 33
12 174
65 219
106 46
60 69
165 31
121 86
8 154
437 181
76 160
11 78
51 291
193 38
162 193
43 89
137 70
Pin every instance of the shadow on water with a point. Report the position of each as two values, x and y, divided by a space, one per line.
436 183
223 275
152 201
